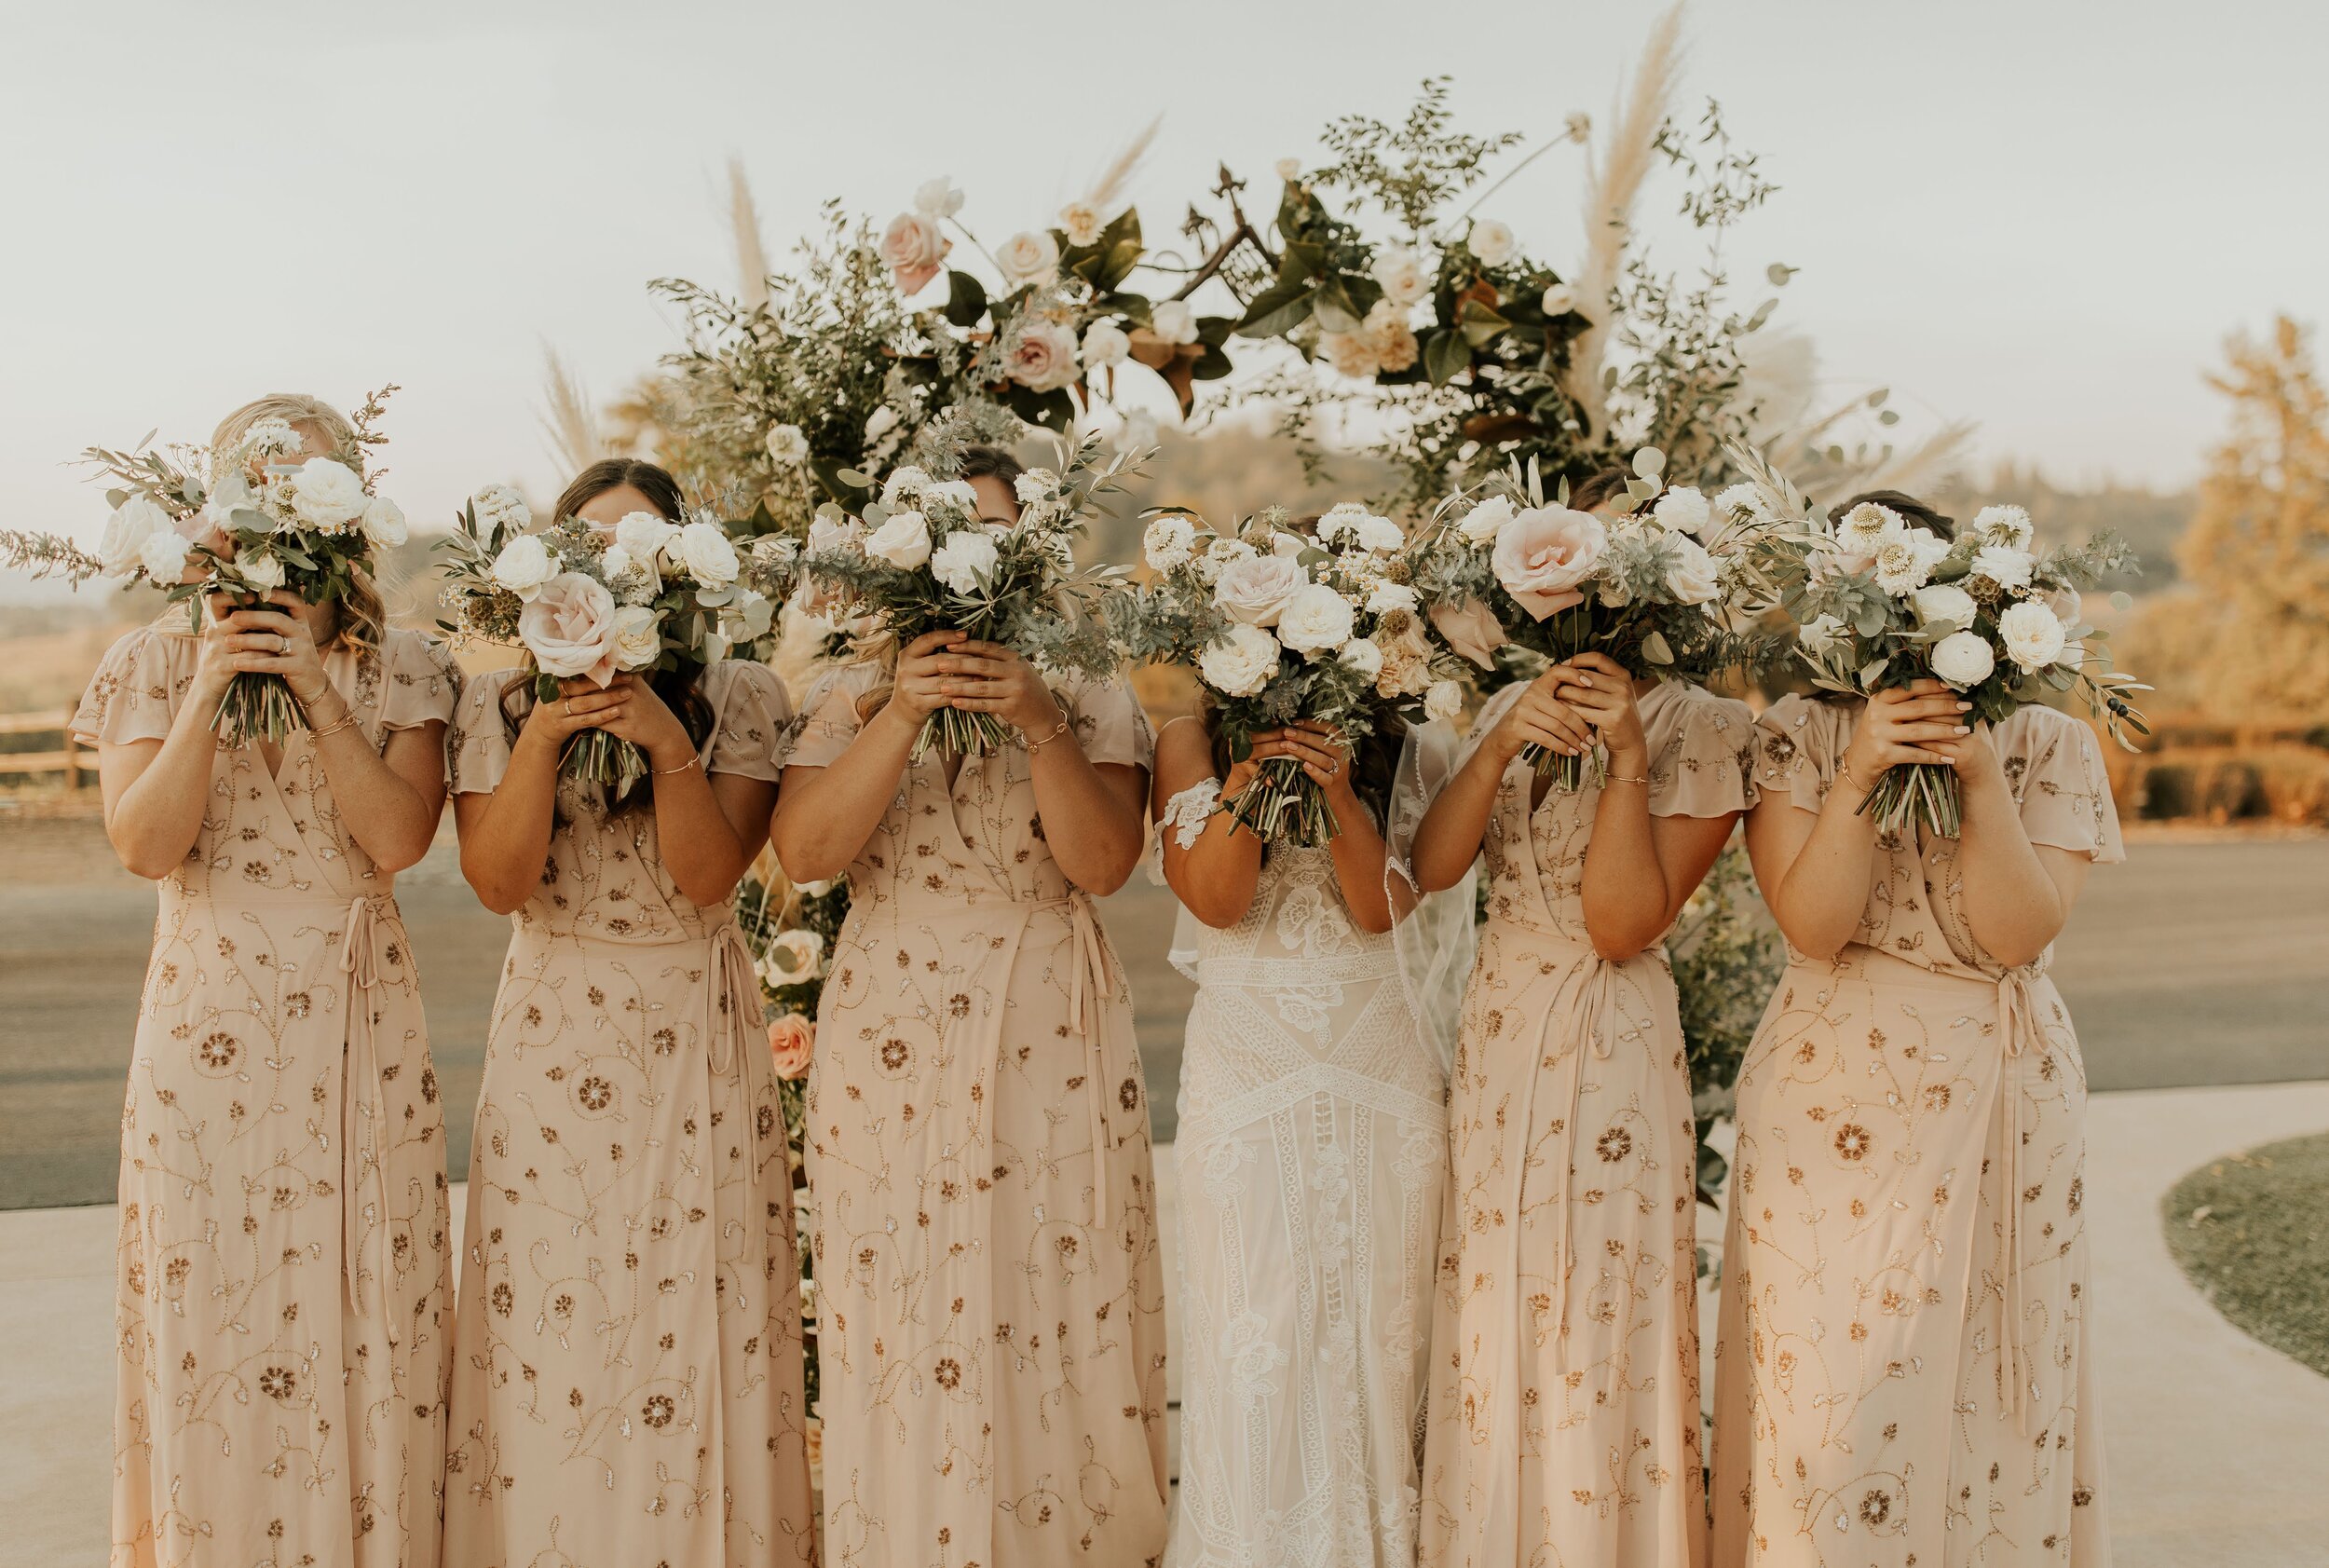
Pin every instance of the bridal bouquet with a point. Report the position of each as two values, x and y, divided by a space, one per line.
253 517
581 601
1649 588
918 559
1878 603
1281 627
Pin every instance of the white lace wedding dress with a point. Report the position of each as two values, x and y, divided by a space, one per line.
1311 1164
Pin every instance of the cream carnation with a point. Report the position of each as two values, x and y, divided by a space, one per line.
569 628
2004 525
1390 340
787 446
1082 222
1962 658
1350 354
1105 344
1904 560
1317 619
903 540
163 554
1029 256
327 495
2033 635
498 506
966 560
1168 543
903 484
1255 589
1492 242
1241 663
524 565
1173 320
1384 597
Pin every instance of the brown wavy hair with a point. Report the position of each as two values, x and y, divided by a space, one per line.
362 619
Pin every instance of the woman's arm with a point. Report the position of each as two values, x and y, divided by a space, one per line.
709 829
1214 876
825 815
1448 839
156 791
1357 848
505 833
2018 895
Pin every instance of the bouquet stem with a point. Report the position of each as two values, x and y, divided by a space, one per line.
1569 773
961 732
257 706
597 757
1925 794
1262 807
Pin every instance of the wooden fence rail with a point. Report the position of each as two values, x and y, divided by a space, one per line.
72 759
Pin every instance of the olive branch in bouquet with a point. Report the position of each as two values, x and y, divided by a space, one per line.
1876 603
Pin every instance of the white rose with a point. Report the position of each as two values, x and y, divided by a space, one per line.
1255 589
1315 620
1105 344
384 523
794 954
1904 561
1963 659
1691 576
645 536
787 446
903 540
638 639
1028 256
133 522
903 485
938 198
1944 601
163 554
1082 222
1492 242
1173 320
1384 597
2034 637
262 572
2005 565
1684 510
1289 169
1559 300
327 495
1821 634
1241 663
1167 541
1405 275
2004 525
1362 656
524 565
1482 523
1443 700
711 559
966 560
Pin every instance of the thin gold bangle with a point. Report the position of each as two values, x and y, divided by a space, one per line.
1626 778
343 722
667 773
1034 745
1844 772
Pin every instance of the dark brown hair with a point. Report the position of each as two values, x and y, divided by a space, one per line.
1598 489
676 687
1908 506
991 462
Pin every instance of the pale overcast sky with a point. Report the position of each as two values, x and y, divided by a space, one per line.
2043 217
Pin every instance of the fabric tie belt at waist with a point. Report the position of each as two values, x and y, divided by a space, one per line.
364 1249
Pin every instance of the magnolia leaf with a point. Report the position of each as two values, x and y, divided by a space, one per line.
1654 649
966 299
1446 356
1277 310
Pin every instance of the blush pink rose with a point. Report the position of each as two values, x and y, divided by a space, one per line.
792 1042
569 628
1044 358
913 249
1544 553
1473 631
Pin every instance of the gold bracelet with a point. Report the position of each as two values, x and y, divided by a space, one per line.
1034 745
667 773
343 722
1625 778
1844 772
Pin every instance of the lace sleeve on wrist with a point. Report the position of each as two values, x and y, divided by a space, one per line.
1186 813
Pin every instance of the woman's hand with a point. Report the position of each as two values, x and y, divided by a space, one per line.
1542 719
1600 691
1006 686
272 638
580 705
1973 755
646 721
930 673
1905 724
1322 753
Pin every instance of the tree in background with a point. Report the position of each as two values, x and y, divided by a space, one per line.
2248 636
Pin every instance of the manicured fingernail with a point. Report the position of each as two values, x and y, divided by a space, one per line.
1961 730
1965 707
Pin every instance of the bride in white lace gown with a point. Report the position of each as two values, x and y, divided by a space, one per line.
1310 1168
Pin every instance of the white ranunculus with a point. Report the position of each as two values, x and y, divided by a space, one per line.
1255 590
133 522
903 484
498 506
1105 344
903 540
1380 533
1315 620
1028 256
638 640
1173 320
1405 274
1167 542
1492 241
524 565
938 198
1821 634
1683 508
1082 222
2004 525
966 560
2005 565
1691 576
2033 635
262 571
1941 602
1904 561
327 495
384 523
788 447
1443 700
1384 597
1963 659
710 558
1289 169
1559 300
1481 524
1362 656
1241 663
163 554
646 536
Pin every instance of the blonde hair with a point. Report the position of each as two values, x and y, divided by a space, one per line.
363 617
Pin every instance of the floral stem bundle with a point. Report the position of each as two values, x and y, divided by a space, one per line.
1878 603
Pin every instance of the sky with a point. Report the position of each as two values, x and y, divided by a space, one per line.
2044 218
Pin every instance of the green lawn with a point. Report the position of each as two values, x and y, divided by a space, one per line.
2251 1231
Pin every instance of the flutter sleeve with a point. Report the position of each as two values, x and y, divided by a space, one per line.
137 689
477 741
423 683
753 709
1797 741
2054 765
1703 756
829 717
1109 723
